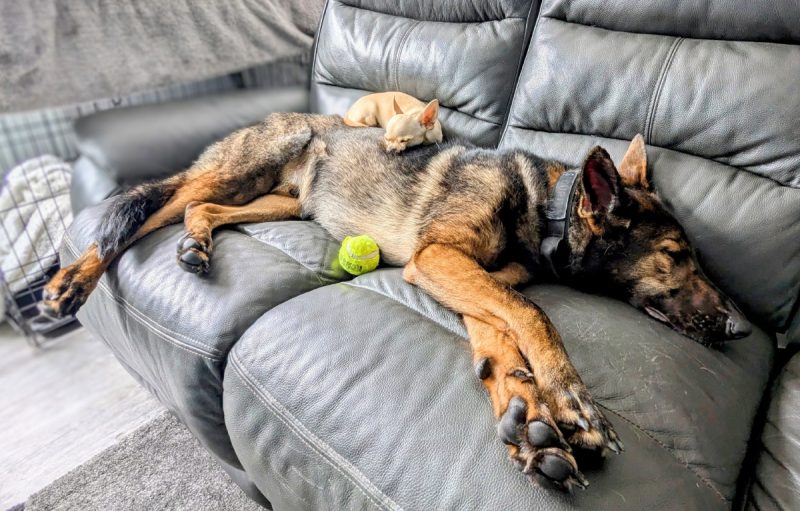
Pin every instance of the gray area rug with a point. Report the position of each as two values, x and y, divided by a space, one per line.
158 466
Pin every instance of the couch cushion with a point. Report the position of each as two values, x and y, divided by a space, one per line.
465 54
706 83
172 330
362 395
776 481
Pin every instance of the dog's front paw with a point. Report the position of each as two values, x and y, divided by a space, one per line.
194 254
580 419
537 447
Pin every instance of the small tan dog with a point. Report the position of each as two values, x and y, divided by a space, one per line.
407 120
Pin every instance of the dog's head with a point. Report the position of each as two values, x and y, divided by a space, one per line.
633 248
407 130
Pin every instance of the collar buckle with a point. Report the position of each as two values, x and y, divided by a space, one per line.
554 248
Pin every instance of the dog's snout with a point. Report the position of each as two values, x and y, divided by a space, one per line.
737 327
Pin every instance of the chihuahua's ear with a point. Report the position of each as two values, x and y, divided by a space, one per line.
429 115
601 183
633 168
396 107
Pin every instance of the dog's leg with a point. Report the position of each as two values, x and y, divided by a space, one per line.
71 286
201 218
512 274
459 282
534 442
239 168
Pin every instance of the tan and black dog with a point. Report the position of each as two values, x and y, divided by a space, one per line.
467 224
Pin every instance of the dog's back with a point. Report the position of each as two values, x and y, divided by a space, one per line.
360 189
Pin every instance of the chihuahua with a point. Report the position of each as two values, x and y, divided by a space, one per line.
407 120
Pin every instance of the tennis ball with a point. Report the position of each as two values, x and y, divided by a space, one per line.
359 254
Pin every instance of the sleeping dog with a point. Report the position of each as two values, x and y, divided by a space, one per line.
468 225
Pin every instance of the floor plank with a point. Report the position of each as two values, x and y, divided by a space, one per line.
59 407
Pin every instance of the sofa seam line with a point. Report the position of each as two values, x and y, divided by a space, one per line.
152 324
350 283
294 424
375 11
648 123
656 34
669 450
142 320
596 135
524 58
662 80
399 51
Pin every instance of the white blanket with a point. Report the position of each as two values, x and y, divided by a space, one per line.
34 212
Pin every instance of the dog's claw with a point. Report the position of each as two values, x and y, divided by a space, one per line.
582 423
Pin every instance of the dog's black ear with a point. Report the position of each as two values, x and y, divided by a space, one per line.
601 182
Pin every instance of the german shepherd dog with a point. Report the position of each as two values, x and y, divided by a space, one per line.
467 224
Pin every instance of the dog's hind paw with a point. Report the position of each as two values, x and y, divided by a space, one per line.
538 449
193 255
66 292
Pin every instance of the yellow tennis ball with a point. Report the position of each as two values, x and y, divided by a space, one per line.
359 254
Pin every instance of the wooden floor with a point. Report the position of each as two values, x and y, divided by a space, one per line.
59 407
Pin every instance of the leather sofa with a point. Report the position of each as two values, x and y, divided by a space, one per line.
319 392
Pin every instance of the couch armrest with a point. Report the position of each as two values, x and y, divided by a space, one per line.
134 144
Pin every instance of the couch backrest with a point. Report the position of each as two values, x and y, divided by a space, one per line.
714 87
466 54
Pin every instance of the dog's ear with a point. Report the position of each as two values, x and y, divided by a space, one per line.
600 183
429 115
633 168
396 107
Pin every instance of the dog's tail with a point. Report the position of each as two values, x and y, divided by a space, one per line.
129 211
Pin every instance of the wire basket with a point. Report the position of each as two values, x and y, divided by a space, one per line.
34 214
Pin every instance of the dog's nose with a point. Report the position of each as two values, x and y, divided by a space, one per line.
737 327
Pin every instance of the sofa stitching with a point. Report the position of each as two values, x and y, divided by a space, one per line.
663 81
190 349
478 22
525 50
668 449
678 151
333 458
399 51
652 104
144 318
406 305
141 318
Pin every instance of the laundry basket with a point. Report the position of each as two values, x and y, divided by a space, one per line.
34 214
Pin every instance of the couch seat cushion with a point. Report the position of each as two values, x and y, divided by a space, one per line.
173 329
776 482
361 395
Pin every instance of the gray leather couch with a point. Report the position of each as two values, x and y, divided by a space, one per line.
318 392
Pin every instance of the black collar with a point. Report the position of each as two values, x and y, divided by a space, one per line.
555 245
